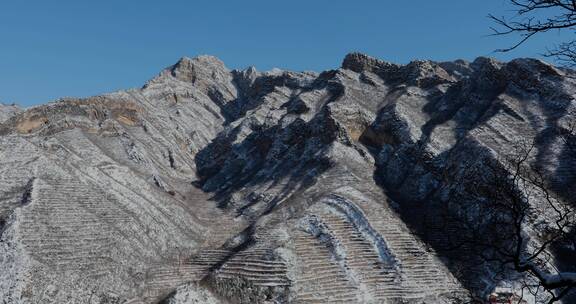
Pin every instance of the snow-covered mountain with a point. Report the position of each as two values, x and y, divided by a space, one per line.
218 186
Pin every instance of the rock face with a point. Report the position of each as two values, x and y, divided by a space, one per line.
214 186
6 111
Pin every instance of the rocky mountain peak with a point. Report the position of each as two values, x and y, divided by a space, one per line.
426 73
197 71
201 67
418 72
359 62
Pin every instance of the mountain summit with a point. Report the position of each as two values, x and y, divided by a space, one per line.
215 186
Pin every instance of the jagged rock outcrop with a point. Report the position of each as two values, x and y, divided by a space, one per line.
6 111
213 186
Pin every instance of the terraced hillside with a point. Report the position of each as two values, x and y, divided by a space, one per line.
214 186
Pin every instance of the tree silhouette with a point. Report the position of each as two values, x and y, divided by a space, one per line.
508 195
540 16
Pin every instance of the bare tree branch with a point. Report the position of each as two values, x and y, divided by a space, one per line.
540 16
507 194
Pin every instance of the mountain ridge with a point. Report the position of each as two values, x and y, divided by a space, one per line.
247 186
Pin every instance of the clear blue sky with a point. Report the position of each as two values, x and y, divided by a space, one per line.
51 49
